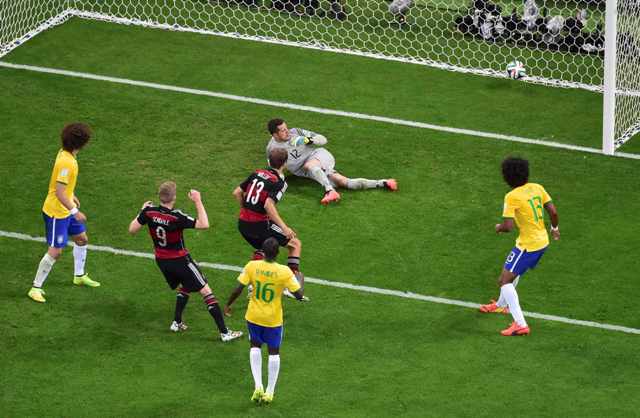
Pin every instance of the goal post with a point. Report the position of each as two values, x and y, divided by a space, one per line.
609 92
586 44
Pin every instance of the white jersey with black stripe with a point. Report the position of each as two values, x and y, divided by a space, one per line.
298 155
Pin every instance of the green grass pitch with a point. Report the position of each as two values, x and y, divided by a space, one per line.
108 351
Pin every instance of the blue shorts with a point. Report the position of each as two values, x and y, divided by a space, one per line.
519 261
271 336
58 230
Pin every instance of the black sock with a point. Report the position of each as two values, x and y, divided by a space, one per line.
294 263
181 302
216 313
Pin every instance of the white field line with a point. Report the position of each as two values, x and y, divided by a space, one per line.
313 109
342 285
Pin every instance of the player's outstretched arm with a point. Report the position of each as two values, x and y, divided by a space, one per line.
202 222
274 216
555 220
232 298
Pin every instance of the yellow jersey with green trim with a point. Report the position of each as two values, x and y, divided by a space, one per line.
269 279
65 171
525 204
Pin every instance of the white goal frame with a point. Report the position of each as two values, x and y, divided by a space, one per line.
613 136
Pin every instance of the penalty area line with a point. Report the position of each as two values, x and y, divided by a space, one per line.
342 285
313 109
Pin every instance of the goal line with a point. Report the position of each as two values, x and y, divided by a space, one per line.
312 109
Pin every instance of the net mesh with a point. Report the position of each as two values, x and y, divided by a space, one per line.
627 111
560 42
22 19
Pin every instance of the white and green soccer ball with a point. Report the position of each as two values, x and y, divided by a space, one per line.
516 70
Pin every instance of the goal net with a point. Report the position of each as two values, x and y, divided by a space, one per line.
560 42
626 108
22 19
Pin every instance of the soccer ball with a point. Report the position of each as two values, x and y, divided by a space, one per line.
515 70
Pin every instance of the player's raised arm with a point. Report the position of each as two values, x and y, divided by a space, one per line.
553 215
136 225
202 222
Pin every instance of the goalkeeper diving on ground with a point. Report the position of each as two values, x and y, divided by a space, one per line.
308 158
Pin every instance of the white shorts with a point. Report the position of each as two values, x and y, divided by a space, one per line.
327 162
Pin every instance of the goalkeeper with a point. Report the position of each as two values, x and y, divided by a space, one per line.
308 158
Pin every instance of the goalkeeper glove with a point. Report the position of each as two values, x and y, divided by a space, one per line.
300 140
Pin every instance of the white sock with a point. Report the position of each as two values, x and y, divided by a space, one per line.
255 358
516 281
502 302
45 266
274 369
511 296
79 257
364 183
318 174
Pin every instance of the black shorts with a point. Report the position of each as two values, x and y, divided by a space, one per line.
182 271
256 233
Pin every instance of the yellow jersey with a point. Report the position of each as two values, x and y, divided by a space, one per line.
526 205
65 171
269 279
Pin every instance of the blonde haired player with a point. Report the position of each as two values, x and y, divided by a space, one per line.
166 225
61 213
524 204
264 313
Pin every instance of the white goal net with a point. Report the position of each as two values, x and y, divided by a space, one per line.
627 74
560 42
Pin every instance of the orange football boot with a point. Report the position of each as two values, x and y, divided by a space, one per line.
493 308
391 184
515 330
330 196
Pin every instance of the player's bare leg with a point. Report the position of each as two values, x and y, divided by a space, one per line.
362 183
314 168
81 278
508 292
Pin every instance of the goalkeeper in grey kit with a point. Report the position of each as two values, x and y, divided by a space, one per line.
308 158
